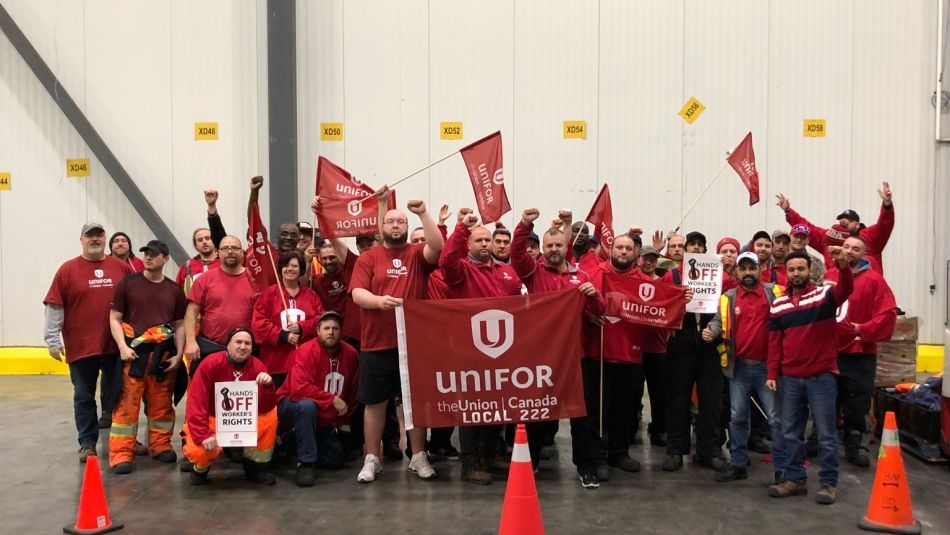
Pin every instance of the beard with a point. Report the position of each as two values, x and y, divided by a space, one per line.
621 264
798 284
749 281
554 259
392 241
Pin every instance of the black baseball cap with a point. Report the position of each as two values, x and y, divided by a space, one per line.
534 237
696 236
761 235
156 246
330 314
850 215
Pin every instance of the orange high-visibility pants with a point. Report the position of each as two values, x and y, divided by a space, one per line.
266 437
125 415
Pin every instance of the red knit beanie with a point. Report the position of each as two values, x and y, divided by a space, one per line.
733 241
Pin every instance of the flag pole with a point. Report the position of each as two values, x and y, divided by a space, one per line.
601 381
690 209
270 255
417 171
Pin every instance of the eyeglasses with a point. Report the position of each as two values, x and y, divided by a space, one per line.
229 249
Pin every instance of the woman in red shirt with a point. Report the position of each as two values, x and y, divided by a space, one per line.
285 316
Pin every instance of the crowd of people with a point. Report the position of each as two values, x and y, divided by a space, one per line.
793 340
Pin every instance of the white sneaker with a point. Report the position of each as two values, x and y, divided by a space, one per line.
419 465
371 467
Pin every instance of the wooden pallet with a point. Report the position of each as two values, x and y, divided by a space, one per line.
928 451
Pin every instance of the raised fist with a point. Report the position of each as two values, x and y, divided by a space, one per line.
256 183
416 206
529 215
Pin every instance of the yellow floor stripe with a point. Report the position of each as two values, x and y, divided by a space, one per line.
36 361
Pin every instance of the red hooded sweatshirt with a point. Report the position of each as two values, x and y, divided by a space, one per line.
870 313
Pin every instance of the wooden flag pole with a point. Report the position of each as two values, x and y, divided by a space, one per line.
690 209
601 381
417 171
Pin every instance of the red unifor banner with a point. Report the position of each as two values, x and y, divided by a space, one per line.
347 206
652 303
491 361
742 161
486 170
257 262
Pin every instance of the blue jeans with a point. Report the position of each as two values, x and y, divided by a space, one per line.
83 373
819 394
315 445
746 379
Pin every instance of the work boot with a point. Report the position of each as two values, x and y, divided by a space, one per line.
445 452
258 473
858 457
672 463
625 463
122 468
658 439
495 465
198 478
788 488
779 478
731 473
105 422
185 466
167 456
825 495
716 463
141 450
306 475
86 452
473 472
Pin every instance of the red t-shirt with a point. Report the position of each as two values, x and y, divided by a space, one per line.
395 272
333 290
145 304
195 267
226 301
84 289
751 327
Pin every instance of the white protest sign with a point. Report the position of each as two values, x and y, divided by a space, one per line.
235 413
703 274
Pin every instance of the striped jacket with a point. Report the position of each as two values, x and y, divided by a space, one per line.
803 337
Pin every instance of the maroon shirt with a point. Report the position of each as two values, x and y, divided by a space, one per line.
750 312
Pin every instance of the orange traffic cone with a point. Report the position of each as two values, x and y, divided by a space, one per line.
889 508
93 515
521 512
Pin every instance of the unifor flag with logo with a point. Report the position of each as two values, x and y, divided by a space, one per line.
491 361
653 303
347 206
259 253
486 170
742 160
601 216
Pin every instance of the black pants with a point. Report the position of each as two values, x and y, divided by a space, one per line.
83 373
855 388
654 368
702 368
441 437
623 388
480 440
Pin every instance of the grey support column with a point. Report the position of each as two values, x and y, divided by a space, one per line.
282 111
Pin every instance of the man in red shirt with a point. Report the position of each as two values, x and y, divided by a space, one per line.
120 248
867 317
875 237
742 323
654 357
803 352
319 397
616 348
77 315
223 298
146 320
382 278
551 272
200 444
472 271
204 261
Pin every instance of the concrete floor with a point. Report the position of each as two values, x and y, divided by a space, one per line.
42 479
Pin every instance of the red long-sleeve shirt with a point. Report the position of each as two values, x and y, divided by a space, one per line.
315 376
270 318
217 368
875 236
467 278
803 331
869 315
623 341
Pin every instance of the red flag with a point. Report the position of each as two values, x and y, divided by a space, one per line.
486 170
257 261
348 207
490 361
601 216
652 303
742 160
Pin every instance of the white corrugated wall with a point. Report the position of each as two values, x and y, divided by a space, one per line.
144 72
